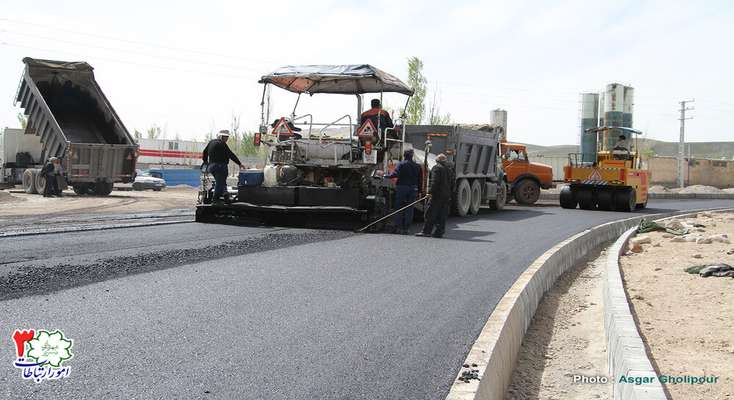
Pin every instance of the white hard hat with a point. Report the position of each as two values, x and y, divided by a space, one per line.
223 133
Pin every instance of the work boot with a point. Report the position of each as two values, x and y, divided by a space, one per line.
422 234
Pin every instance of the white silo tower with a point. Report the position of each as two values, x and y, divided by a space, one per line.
498 117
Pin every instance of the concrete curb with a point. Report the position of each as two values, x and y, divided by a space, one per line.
669 196
495 351
625 348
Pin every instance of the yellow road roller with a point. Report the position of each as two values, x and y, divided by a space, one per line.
614 180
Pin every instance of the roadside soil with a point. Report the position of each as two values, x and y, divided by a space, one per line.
684 319
566 338
13 203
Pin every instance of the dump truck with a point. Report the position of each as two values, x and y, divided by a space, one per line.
68 117
525 178
613 181
474 158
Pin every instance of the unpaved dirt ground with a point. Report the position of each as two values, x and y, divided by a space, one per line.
686 320
22 204
566 338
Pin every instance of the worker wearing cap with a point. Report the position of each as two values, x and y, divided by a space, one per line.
217 154
52 170
379 117
439 190
408 173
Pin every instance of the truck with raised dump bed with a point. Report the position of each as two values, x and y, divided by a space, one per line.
68 117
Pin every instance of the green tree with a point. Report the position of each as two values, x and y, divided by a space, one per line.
154 132
416 80
137 135
434 111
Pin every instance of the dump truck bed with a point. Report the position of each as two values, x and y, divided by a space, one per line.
75 121
473 152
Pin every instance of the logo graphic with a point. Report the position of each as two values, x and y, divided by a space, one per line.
40 354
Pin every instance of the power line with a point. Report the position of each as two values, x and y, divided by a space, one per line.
138 42
167 68
122 50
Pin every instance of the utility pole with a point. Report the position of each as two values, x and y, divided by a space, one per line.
682 142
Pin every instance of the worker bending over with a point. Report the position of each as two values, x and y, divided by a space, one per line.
408 173
217 154
439 190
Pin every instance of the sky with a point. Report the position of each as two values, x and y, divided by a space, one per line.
190 66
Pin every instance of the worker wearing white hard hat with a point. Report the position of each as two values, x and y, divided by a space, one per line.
217 155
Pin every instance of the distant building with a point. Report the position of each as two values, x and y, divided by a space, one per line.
169 153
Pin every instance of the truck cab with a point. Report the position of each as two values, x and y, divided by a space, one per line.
525 178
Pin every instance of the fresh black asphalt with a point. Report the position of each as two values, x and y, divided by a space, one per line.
284 314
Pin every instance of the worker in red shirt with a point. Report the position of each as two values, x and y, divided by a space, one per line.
379 117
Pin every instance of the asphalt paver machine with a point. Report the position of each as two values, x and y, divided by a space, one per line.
315 169
614 181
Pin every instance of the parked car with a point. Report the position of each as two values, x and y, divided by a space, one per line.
144 180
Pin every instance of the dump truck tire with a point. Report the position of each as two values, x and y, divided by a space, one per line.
81 188
567 198
501 200
476 197
527 192
586 199
463 198
40 181
103 188
605 200
29 181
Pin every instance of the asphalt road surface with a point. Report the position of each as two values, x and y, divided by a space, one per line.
202 311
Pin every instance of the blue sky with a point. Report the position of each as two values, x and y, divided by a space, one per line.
189 66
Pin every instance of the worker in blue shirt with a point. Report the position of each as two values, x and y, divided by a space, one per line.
408 173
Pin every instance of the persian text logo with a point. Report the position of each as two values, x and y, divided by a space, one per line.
40 354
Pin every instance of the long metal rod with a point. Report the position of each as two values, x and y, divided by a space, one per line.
393 213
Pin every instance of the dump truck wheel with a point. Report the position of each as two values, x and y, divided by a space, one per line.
586 199
567 198
476 197
527 192
625 200
40 182
463 198
29 181
605 200
103 188
501 200
81 188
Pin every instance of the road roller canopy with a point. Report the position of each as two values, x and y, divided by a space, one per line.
615 128
336 79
